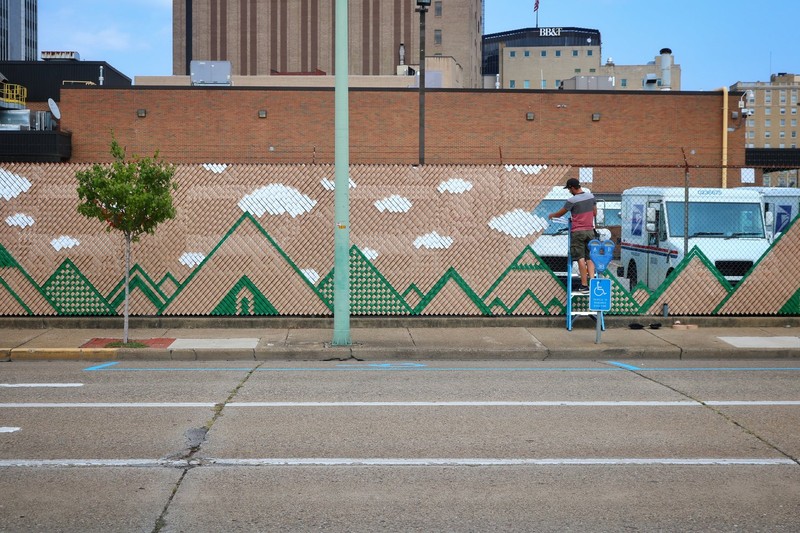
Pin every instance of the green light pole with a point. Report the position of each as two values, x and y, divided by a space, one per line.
422 8
341 231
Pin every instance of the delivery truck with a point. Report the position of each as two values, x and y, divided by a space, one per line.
727 225
781 206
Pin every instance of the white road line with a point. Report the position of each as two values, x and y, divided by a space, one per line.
40 385
565 403
395 462
8 429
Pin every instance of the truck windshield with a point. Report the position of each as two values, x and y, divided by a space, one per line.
545 208
716 219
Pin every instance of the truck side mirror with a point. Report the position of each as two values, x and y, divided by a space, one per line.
651 216
600 218
769 219
651 227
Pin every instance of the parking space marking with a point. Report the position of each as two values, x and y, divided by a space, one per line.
8 429
397 462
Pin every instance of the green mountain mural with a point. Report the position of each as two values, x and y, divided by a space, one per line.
244 299
72 294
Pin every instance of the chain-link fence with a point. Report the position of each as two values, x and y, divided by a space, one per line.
451 240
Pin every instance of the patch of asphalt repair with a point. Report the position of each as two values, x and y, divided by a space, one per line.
195 437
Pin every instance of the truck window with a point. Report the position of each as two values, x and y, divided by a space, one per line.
545 208
716 219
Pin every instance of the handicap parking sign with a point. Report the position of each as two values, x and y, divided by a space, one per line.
600 294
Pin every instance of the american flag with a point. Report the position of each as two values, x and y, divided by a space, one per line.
536 5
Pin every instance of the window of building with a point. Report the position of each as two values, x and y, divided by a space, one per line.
794 123
437 36
512 84
544 53
767 134
558 84
526 84
767 110
512 53
589 52
794 135
527 53
782 96
794 96
767 123
577 71
782 135
623 82
783 122
544 84
794 111
574 53
768 97
767 145
558 53
437 8
751 135
783 111
751 123
592 70
781 145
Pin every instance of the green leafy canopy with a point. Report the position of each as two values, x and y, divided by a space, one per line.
130 196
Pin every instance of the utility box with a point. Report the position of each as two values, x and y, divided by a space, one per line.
210 73
588 83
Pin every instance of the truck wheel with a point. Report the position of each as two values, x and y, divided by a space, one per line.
633 276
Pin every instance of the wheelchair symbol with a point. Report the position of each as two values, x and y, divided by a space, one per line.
598 290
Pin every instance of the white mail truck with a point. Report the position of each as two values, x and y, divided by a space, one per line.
727 225
781 206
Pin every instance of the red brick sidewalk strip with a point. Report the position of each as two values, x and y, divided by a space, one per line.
151 343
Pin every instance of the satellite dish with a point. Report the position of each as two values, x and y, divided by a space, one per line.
54 108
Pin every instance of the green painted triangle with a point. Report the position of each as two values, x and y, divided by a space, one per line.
6 259
454 276
792 306
370 292
4 285
139 280
245 299
71 293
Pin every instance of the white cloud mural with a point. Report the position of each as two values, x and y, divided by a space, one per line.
64 241
329 185
20 219
518 223
394 204
216 168
191 259
527 169
12 185
433 240
455 186
311 274
277 199
370 254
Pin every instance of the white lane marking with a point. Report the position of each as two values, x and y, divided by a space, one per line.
106 405
396 462
564 403
41 385
8 429
762 342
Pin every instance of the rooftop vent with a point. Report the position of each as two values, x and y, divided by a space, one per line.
51 55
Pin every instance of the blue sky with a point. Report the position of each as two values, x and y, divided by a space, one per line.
716 42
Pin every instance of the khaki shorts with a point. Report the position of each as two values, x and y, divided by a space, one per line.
579 243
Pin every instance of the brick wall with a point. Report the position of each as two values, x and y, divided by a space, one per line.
640 137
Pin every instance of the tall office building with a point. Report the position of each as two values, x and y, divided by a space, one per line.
282 37
18 30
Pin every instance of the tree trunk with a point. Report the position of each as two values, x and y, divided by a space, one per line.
127 284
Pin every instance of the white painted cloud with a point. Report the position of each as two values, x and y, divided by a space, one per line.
394 204
216 168
370 254
329 185
311 274
527 169
277 199
191 259
455 186
518 223
20 219
12 185
433 240
64 241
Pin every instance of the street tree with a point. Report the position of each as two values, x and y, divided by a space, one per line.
130 196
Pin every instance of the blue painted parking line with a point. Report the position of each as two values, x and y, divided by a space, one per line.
101 367
616 366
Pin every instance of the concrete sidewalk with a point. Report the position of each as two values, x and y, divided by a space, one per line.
437 339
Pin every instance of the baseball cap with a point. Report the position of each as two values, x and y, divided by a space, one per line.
574 183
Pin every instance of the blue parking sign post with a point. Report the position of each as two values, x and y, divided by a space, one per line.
599 300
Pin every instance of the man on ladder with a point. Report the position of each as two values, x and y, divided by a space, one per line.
583 209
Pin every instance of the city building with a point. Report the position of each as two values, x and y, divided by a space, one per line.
18 30
297 37
568 58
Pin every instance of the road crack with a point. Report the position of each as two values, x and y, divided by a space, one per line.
195 438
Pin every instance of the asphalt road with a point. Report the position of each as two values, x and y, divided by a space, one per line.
401 446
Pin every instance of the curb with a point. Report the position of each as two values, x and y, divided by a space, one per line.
74 354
